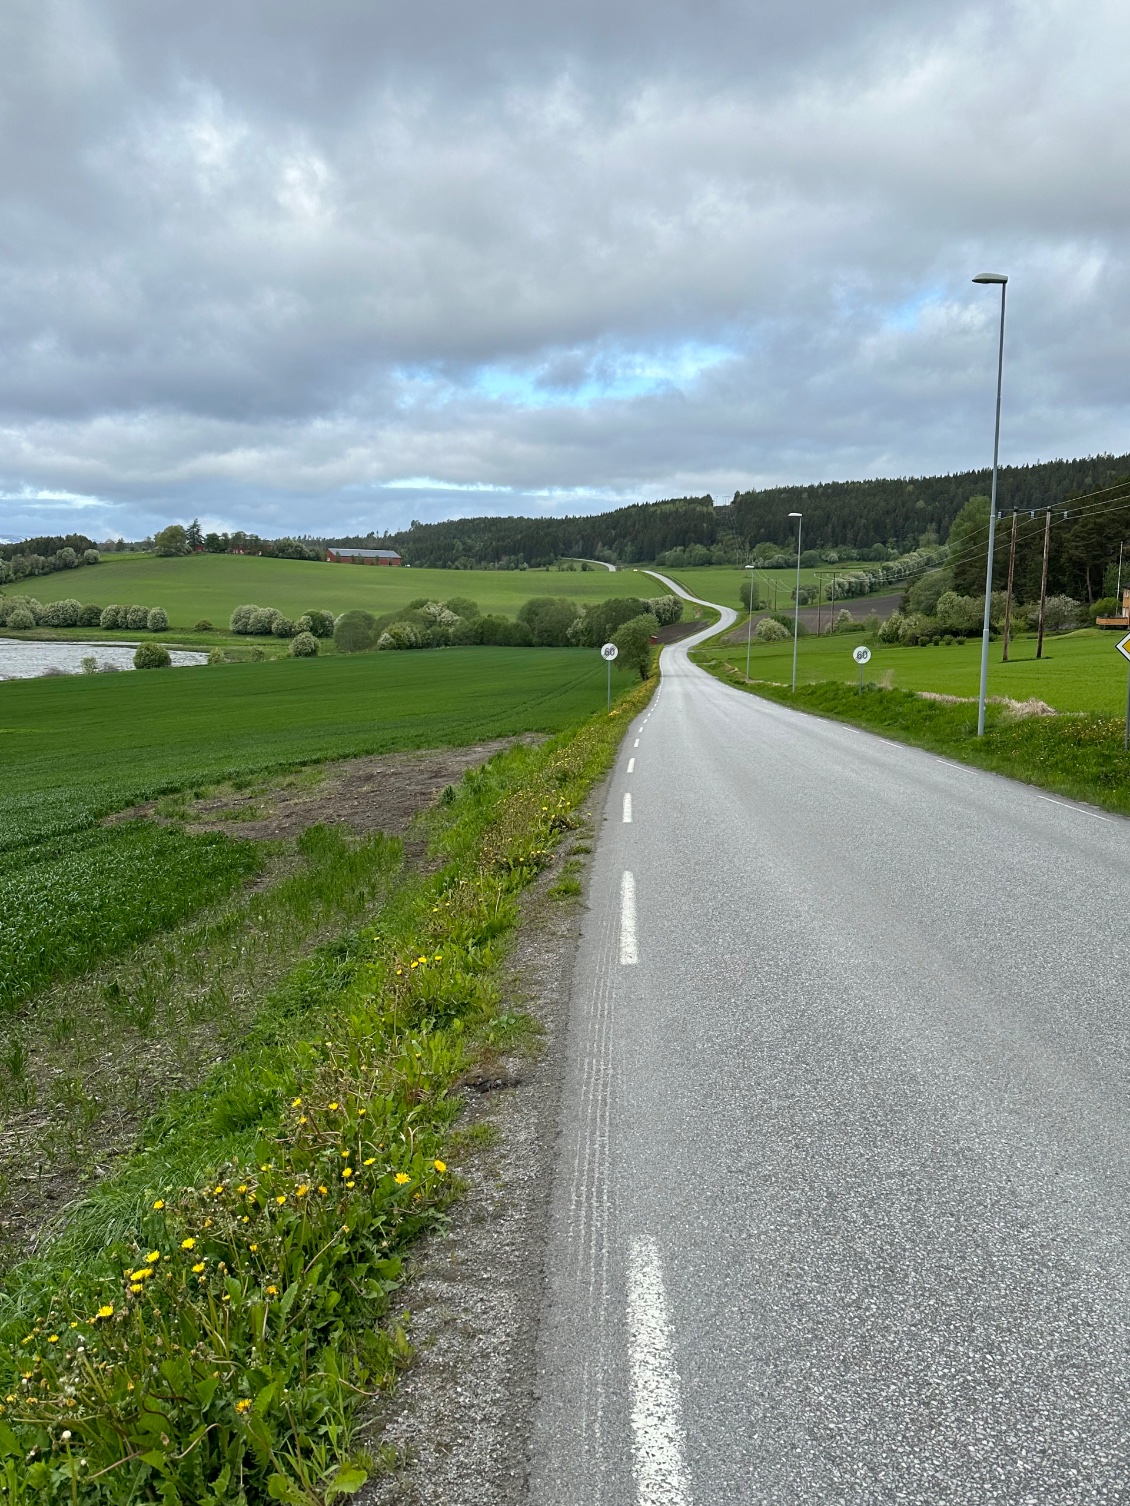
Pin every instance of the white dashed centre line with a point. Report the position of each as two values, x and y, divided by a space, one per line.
629 950
631 765
627 807
657 1411
636 743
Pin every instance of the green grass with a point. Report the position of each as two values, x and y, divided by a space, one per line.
1079 671
205 1326
723 583
73 749
212 585
95 893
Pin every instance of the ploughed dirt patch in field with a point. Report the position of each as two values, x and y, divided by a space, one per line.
377 793
85 1063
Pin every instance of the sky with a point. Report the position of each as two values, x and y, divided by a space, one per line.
327 268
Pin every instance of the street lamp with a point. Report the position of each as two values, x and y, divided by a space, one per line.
995 278
796 594
749 629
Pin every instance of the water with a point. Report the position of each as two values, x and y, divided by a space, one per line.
22 659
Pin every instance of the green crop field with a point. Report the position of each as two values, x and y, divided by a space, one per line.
1079 671
73 748
212 585
722 583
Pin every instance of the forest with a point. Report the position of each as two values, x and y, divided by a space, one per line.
896 514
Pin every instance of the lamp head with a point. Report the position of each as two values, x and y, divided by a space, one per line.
990 277
796 515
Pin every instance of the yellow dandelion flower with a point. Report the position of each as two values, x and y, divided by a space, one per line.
281 1198
217 1190
296 1103
245 1219
253 1248
361 1113
243 1406
439 957
347 1171
440 1165
333 1105
207 1223
322 1191
197 1268
159 1204
188 1244
301 1191
272 1291
227 1298
141 1275
402 1177
136 1287
302 1119
242 1188
371 1161
400 972
105 1311
53 1339
415 964
153 1257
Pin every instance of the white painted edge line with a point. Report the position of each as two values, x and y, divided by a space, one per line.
1080 810
657 1411
627 808
629 948
631 765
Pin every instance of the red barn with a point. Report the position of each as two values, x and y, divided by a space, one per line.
363 557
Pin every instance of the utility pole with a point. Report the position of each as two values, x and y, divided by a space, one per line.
1118 588
1008 592
1044 584
832 606
819 599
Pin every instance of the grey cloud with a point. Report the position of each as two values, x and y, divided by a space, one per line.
269 262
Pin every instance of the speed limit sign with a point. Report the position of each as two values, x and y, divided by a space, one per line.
609 652
861 654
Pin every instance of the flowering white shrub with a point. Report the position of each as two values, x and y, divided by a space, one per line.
158 620
769 630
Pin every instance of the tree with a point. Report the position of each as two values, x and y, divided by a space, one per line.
747 593
171 540
151 656
968 541
633 639
353 632
193 536
549 619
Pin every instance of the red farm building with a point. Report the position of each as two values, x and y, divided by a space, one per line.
363 557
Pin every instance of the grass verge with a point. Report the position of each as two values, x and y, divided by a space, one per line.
1079 756
209 1324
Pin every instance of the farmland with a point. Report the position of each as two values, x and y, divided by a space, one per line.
73 749
262 1062
211 586
723 583
1079 671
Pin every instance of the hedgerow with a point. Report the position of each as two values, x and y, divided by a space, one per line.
220 1351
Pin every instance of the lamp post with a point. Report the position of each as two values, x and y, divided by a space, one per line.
749 628
796 594
997 279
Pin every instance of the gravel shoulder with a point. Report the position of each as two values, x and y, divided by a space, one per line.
460 1417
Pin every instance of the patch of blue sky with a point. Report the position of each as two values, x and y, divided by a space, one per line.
907 315
578 379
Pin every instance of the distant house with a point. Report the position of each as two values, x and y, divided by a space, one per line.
1123 620
363 557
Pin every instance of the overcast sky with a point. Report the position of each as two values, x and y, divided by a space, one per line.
326 267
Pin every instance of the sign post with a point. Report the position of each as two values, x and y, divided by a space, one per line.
861 655
608 653
1123 647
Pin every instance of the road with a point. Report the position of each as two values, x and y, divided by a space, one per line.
840 1213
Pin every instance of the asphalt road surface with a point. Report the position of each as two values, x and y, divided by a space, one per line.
841 1203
